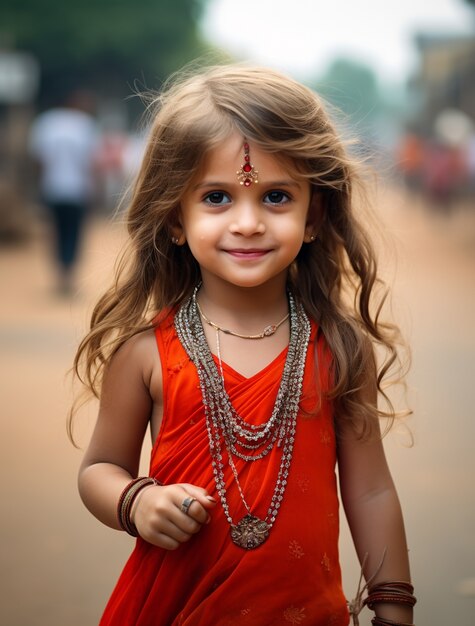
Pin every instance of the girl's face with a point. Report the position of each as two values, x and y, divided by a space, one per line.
244 235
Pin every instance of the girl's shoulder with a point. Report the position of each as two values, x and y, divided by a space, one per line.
139 344
138 355
135 367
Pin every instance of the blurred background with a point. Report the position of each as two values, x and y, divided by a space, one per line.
402 74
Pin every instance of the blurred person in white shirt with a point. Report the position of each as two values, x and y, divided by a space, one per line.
64 140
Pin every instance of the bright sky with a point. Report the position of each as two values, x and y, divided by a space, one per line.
302 36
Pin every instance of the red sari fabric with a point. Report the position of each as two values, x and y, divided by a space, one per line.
294 577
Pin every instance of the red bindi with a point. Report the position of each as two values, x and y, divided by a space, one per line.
247 174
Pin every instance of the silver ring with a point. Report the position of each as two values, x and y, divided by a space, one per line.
185 505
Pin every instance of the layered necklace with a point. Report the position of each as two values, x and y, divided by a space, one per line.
229 434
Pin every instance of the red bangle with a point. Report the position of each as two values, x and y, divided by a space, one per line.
127 499
389 598
396 592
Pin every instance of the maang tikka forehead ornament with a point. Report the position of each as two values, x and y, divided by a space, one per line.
247 174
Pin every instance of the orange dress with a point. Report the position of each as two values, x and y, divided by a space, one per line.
294 577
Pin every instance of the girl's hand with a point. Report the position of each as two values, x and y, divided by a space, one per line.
158 517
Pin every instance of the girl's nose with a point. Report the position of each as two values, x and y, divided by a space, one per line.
247 220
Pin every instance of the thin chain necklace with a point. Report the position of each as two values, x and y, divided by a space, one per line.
267 332
229 435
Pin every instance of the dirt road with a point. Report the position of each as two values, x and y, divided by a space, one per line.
59 564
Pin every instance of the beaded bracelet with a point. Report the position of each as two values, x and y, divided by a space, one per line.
127 499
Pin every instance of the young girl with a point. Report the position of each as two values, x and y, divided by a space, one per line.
240 328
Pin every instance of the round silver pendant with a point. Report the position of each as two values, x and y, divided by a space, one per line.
250 533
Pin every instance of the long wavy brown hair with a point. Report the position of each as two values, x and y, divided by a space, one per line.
335 277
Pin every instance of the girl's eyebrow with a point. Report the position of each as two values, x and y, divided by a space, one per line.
262 183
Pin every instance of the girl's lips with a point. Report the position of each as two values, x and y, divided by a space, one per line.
247 254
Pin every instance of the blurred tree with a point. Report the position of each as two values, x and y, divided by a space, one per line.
105 44
353 88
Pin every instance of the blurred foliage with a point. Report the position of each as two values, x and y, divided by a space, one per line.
353 89
364 108
106 45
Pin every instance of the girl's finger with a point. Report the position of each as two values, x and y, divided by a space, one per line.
173 531
164 541
201 495
195 508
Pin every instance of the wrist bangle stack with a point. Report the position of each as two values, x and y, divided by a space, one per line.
391 593
397 592
127 499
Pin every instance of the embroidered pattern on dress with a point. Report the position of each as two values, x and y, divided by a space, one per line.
238 617
303 483
325 437
164 447
294 615
296 551
326 563
174 368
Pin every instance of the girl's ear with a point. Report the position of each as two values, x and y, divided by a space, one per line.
314 217
178 236
176 232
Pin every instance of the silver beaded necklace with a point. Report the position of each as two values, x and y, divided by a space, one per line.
228 431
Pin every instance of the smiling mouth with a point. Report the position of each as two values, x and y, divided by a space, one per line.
252 253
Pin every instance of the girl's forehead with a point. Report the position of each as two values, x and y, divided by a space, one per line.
229 155
232 147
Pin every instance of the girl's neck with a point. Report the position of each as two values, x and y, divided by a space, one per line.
245 309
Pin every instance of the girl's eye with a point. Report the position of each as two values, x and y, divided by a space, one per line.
276 197
217 198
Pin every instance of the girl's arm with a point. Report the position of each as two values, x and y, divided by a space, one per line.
113 456
373 511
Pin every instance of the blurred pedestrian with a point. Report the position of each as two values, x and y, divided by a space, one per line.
228 331
410 160
64 141
444 174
